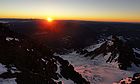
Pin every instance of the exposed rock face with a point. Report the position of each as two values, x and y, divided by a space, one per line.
120 52
130 80
34 64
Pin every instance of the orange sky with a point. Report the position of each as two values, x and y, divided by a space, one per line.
93 10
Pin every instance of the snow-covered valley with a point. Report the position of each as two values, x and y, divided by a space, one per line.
97 71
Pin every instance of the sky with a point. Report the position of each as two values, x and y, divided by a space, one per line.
95 10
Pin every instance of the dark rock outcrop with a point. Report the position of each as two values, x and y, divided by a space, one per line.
131 80
120 52
35 64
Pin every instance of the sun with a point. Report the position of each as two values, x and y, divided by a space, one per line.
49 19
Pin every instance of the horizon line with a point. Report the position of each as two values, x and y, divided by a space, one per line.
72 20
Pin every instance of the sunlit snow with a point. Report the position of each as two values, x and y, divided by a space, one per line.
97 71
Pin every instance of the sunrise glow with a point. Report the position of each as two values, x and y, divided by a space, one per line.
91 10
49 19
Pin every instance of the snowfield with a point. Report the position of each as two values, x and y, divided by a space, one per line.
3 69
97 71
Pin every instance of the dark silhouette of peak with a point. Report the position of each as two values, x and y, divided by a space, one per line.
120 52
33 64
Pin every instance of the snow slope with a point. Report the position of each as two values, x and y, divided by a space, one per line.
97 71
3 69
